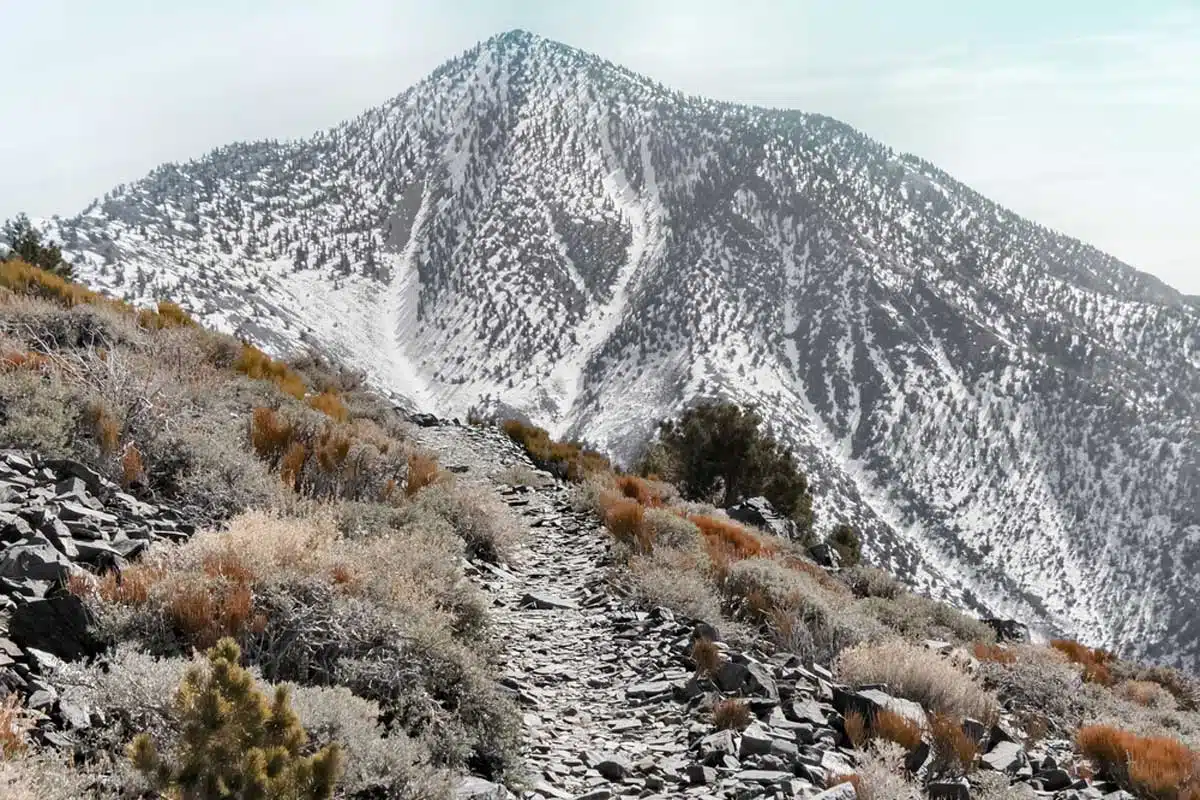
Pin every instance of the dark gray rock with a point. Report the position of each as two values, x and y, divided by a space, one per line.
40 562
546 602
948 790
842 791
759 512
698 775
764 776
60 625
1007 630
756 741
731 677
614 767
824 554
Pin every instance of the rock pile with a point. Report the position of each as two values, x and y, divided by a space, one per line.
58 518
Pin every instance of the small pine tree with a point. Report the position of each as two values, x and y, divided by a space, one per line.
721 445
25 242
234 743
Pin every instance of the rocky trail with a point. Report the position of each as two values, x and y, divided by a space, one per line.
612 704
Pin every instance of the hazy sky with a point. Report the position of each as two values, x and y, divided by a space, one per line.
1084 115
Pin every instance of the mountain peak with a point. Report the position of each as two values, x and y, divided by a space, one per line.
993 405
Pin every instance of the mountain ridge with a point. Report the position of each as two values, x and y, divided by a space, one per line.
1009 414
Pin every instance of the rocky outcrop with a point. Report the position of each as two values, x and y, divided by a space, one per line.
59 518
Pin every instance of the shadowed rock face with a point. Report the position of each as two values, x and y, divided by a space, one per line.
1008 415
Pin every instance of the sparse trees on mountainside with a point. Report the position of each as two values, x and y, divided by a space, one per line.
25 242
718 450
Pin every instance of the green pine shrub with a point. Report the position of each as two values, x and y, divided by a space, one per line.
235 744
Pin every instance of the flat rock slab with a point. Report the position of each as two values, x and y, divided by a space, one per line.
547 602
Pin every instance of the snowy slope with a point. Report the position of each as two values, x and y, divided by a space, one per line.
1010 415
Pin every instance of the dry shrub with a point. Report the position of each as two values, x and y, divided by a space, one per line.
850 778
330 404
881 774
798 611
1095 662
855 725
103 428
624 519
871 582
131 586
21 278
1184 688
15 359
678 580
727 541
920 675
15 723
919 618
642 490
204 612
896 728
166 315
954 752
731 715
255 364
1147 694
270 434
707 657
994 652
1155 767
484 524
291 466
570 460
423 470
133 469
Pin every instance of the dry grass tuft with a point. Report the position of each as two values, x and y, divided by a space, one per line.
105 430
642 490
133 468
918 674
15 723
727 541
624 519
131 586
731 715
954 752
707 657
257 365
1154 767
994 652
896 728
330 404
857 732
571 460
423 470
1147 694
1095 662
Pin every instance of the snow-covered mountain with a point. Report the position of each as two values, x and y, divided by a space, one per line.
1011 416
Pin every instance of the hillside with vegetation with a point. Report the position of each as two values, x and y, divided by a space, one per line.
228 575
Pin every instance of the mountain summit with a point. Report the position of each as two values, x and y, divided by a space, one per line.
1011 416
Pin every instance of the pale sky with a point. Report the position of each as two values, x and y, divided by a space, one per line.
1083 115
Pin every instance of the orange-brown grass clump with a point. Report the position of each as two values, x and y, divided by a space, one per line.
728 541
731 715
855 725
133 469
896 728
422 471
330 404
954 752
254 363
204 613
1093 660
707 657
640 489
105 430
131 586
852 779
15 359
14 723
570 459
21 278
624 519
1153 767
167 315
270 434
994 652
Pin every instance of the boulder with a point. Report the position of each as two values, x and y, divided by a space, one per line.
41 562
759 512
59 625
1007 630
824 554
473 788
